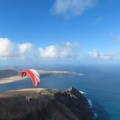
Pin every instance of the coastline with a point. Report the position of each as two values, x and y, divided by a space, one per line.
41 72
44 104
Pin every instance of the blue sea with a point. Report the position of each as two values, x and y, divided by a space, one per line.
100 84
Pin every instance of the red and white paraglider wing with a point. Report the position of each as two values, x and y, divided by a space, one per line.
23 74
36 79
33 74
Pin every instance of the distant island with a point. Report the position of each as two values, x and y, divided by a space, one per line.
12 75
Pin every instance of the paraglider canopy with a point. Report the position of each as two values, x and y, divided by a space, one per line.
33 74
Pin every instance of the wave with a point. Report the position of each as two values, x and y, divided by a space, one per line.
95 116
90 105
82 92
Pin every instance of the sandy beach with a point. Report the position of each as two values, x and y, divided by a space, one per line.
41 72
11 79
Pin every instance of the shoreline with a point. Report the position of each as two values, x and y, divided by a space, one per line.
41 72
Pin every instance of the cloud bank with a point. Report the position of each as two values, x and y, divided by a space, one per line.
105 56
71 7
10 49
65 50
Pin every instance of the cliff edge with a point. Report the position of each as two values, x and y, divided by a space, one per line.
44 104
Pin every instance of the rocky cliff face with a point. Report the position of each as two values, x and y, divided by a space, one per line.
44 104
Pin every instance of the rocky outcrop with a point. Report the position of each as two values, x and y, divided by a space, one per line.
44 104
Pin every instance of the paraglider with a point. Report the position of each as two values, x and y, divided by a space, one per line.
33 74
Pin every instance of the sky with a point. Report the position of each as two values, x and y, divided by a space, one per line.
59 32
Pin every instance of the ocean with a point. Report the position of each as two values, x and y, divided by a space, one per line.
100 84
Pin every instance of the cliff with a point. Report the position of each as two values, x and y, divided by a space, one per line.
44 104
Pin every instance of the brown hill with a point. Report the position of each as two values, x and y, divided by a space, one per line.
8 73
44 104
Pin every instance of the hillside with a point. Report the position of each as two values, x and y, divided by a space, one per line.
8 73
44 104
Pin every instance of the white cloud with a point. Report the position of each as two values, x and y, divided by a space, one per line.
108 56
94 53
49 52
25 47
71 7
6 47
10 49
59 51
105 56
68 50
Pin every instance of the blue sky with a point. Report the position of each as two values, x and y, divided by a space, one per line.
59 31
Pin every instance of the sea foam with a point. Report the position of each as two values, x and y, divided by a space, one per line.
82 92
90 104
